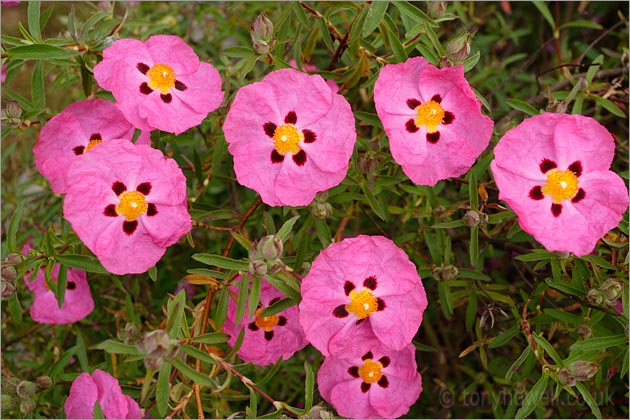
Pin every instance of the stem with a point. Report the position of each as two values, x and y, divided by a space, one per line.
146 385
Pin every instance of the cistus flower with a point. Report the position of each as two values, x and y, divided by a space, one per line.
553 171
267 338
127 203
380 383
77 303
159 83
361 292
103 388
432 118
74 132
291 136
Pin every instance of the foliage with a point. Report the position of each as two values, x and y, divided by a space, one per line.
507 320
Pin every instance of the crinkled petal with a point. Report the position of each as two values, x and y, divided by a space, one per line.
172 50
174 117
83 395
203 89
133 409
117 72
110 397
577 136
254 169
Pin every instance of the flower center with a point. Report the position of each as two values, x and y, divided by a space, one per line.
266 322
430 114
132 204
286 138
561 185
370 372
91 144
362 303
161 76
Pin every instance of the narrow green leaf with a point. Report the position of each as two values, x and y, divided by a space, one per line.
467 273
287 227
238 51
471 61
323 232
397 47
211 338
278 306
71 23
14 225
496 218
449 225
61 284
435 40
588 398
368 118
374 204
221 262
594 68
609 105
82 353
282 285
522 106
271 373
414 13
546 345
15 308
162 390
251 411
153 275
532 399
254 298
624 366
471 311
473 196
446 299
423 347
357 26
197 167
309 387
192 374
517 363
33 20
504 337
116 347
217 155
564 316
474 245
544 10
222 306
376 13
243 292
84 262
600 343
175 312
198 354
581 24
39 52
38 95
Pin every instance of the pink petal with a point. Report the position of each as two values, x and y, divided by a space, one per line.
110 397
203 93
174 117
172 50
254 169
83 395
343 391
117 71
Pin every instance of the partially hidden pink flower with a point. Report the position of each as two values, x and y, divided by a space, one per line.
8 3
360 293
101 387
380 383
266 338
3 73
159 83
77 303
291 136
127 203
74 132
432 118
554 172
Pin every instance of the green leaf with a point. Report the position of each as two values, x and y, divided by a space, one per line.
376 13
281 284
532 399
14 225
496 218
594 68
323 232
162 390
15 308
374 204
522 106
446 299
517 363
609 105
467 273
588 398
254 298
222 306
153 273
60 285
84 262
116 347
33 20
546 345
544 10
368 118
471 61
504 337
40 52
474 245
357 26
37 84
581 24
423 347
251 411
414 13
243 292
198 354
98 411
175 312
191 373
221 262
471 311
238 51
397 47
197 167
309 387
211 338
564 316
278 306
449 225
287 227
600 343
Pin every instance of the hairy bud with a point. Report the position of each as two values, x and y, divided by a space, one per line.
471 218
584 332
27 407
270 247
595 297
9 273
565 378
26 389
611 289
7 290
258 267
44 382
321 210
458 49
261 32
583 370
13 259
436 9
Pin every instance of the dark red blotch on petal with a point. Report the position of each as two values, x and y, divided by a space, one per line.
354 371
367 355
253 326
110 211
130 227
144 88
413 103
383 382
180 86
166 98
348 287
71 285
411 126
365 387
436 98
536 193
370 283
269 128
276 157
142 67
556 209
268 335
380 304
576 168
282 321
151 210
448 117
384 361
579 196
290 118
78 150
96 136
144 188
118 187
300 158
433 137
547 165
340 311
309 136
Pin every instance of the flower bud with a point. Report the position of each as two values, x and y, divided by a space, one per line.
458 49
583 370
9 273
611 289
155 343
258 267
262 28
7 290
367 164
13 114
565 378
44 381
594 297
7 403
437 273
152 363
27 407
13 259
450 272
584 332
261 47
275 266
319 412
270 247
26 389
439 211
321 210
471 218
436 9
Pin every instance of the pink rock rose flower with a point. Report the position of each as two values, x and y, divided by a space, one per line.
360 293
77 303
553 171
266 338
87 389
432 118
380 383
127 203
159 83
291 136
75 131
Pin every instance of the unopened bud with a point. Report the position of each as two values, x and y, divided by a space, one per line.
153 363
367 164
458 49
9 273
258 267
27 407
13 259
270 247
471 218
583 370
436 9
275 266
26 389
321 210
450 272
319 412
611 289
155 344
439 211
14 110
261 47
174 350
594 297
7 403
7 290
584 332
262 28
565 378
44 381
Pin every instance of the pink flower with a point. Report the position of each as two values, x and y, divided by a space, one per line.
8 3
3 73
76 130
290 136
159 83
103 388
266 338
553 171
311 68
379 383
127 203
77 303
432 118
360 293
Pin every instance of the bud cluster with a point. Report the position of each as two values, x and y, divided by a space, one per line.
606 294
9 275
446 272
22 394
158 346
261 33
264 256
577 371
